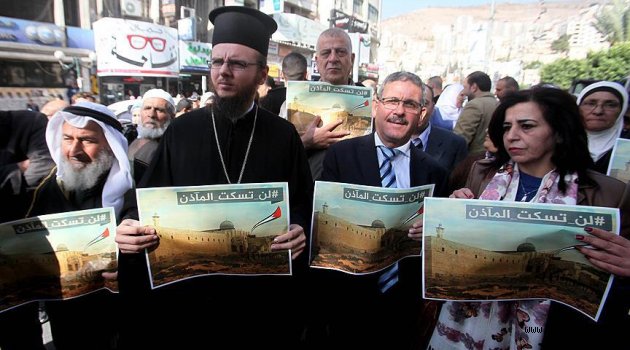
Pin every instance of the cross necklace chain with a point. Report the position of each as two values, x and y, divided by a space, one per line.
249 145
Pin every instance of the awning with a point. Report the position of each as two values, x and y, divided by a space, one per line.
33 52
297 30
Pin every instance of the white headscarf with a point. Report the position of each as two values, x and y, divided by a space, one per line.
159 93
119 178
599 142
447 102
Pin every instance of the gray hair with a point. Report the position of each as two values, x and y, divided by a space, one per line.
336 33
403 76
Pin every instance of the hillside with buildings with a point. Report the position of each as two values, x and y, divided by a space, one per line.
511 39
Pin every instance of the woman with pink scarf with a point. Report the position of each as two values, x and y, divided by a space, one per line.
543 157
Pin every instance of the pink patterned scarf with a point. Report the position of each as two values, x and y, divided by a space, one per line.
504 186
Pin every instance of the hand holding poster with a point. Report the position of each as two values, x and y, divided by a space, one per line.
57 256
221 229
493 250
352 105
363 229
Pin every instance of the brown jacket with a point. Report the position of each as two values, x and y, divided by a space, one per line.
563 322
605 192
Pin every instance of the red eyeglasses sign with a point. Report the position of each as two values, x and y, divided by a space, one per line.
139 42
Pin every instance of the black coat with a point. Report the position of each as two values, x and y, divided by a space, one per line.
22 137
351 307
245 311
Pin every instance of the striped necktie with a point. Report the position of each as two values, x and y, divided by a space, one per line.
388 176
389 277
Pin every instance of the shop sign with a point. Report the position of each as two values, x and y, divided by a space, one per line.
30 32
187 29
126 47
272 6
194 56
297 30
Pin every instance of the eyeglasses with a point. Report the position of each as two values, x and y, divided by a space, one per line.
139 42
606 105
410 106
233 65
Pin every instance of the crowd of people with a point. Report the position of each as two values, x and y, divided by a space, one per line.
536 145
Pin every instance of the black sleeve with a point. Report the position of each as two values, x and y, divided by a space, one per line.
330 171
300 186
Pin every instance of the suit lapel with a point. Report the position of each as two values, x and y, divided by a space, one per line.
416 170
434 145
368 160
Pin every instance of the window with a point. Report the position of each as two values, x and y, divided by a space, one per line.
372 14
71 13
35 10
357 7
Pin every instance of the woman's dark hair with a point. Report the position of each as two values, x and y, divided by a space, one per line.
559 109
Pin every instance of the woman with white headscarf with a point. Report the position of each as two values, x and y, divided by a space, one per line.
448 106
602 107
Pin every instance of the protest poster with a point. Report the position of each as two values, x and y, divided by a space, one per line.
363 229
57 256
476 250
219 229
352 105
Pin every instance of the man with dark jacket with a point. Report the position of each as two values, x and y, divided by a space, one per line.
294 67
24 160
381 310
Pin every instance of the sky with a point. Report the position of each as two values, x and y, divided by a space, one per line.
393 8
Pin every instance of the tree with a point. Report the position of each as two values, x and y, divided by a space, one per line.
533 65
561 44
613 21
612 64
563 71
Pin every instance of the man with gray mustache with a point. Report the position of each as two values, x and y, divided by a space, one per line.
388 304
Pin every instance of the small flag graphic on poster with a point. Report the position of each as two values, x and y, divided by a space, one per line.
275 215
414 215
361 105
98 238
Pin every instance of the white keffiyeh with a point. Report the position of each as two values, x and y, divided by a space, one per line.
119 179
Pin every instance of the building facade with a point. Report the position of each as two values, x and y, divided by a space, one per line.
48 48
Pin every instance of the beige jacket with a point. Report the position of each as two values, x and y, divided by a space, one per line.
474 120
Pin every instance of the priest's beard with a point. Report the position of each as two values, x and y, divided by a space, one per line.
152 133
85 177
234 107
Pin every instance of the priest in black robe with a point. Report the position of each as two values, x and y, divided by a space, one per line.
233 141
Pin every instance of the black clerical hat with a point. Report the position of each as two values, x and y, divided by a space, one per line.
242 25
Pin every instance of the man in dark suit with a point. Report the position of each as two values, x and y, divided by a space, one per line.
441 144
360 313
